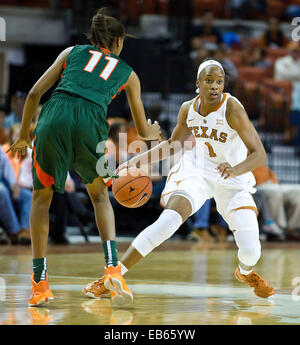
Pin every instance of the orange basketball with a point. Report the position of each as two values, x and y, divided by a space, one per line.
133 188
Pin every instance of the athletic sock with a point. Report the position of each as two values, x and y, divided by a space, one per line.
39 269
110 253
124 269
244 272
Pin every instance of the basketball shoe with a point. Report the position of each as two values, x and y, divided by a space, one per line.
96 289
114 282
261 287
41 293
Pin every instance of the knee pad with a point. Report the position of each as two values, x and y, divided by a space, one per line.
246 236
158 232
249 256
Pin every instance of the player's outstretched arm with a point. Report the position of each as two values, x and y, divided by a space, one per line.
163 149
237 119
32 101
145 129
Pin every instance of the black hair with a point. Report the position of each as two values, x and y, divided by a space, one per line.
212 58
105 29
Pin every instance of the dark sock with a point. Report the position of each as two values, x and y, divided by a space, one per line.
110 253
39 269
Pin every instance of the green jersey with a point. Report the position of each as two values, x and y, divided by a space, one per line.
94 73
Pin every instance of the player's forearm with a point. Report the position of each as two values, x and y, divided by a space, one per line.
31 104
156 154
144 131
143 128
253 161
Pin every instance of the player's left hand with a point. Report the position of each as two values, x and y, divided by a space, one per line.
226 170
19 147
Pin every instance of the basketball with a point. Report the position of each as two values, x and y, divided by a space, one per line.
133 188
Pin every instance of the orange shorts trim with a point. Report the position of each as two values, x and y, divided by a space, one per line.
172 173
247 208
163 195
45 179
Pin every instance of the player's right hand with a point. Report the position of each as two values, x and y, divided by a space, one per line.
155 131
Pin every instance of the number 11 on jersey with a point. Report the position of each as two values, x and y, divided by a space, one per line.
94 60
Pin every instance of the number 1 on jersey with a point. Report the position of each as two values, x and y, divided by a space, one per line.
94 60
210 150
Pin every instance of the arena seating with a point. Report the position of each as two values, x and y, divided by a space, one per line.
247 87
275 100
218 7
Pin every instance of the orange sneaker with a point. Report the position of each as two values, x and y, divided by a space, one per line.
114 282
40 293
261 287
96 289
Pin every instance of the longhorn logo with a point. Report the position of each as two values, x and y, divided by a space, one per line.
131 189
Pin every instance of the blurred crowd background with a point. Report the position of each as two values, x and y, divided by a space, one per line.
255 40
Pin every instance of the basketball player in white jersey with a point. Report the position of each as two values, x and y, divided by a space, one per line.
227 149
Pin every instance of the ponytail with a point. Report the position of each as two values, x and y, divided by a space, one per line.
105 29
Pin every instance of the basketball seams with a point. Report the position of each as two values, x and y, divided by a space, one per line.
139 192
117 191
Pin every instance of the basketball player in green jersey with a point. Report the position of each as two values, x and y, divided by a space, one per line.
71 130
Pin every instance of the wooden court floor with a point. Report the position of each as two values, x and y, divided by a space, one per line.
180 283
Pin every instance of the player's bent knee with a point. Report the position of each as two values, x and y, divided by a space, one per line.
180 204
99 197
246 236
158 232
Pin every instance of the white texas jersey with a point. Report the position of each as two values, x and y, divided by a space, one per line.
216 142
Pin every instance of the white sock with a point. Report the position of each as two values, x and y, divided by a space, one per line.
245 272
124 270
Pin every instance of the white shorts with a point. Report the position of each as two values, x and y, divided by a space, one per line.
198 188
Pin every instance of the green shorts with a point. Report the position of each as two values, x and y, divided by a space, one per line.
71 132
